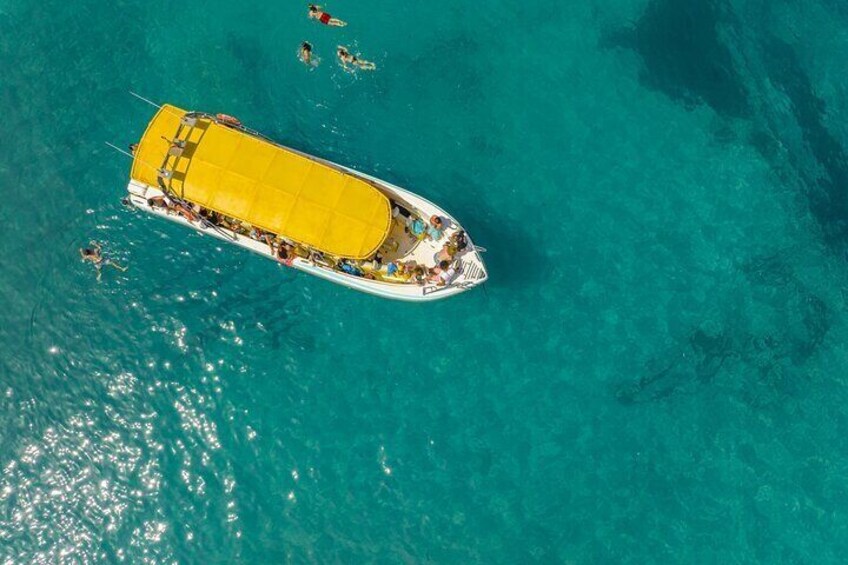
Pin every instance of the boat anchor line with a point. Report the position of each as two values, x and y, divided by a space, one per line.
143 99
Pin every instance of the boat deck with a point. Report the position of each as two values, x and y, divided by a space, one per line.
470 269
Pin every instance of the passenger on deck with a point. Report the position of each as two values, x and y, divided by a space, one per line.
416 227
435 271
269 239
398 210
376 262
160 202
447 275
459 241
232 224
172 206
133 148
315 13
456 243
210 215
285 253
436 229
442 274
256 233
317 258
94 254
419 275
347 267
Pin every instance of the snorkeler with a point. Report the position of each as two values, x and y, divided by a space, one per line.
94 254
347 58
325 18
305 54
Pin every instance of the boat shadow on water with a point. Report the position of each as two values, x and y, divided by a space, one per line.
513 259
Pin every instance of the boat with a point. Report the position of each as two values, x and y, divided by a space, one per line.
211 173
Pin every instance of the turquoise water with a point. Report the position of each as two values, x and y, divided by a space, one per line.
655 371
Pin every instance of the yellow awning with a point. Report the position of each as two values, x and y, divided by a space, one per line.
264 185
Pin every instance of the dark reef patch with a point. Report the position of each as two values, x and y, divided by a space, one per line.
826 193
697 360
684 56
800 322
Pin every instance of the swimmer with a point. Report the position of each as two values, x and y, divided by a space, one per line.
346 58
94 254
315 13
305 54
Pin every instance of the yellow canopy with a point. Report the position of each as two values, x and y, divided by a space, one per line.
264 185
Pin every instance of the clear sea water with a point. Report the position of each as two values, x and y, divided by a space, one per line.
656 371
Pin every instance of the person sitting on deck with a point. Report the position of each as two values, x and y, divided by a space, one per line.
375 263
283 252
172 206
442 274
447 274
396 269
159 202
419 275
317 258
232 224
435 271
94 254
256 233
416 227
436 229
406 271
456 243
398 210
347 267
210 216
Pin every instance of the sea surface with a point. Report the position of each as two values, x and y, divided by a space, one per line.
656 371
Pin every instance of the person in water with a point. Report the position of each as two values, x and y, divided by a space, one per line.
305 54
94 254
347 58
316 13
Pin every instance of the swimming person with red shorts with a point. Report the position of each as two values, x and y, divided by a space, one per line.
325 18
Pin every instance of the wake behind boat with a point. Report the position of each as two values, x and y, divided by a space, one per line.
212 174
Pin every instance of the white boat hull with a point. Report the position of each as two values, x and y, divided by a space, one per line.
471 272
